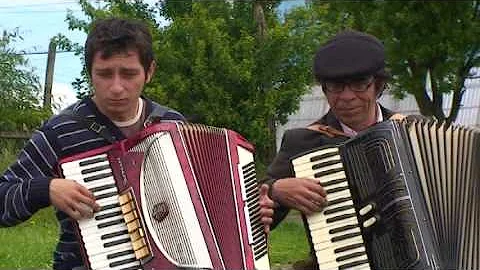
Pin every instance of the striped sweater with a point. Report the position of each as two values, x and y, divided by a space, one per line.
24 186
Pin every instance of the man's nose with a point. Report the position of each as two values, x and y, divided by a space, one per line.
347 92
117 84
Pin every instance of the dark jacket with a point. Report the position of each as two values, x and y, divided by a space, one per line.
296 141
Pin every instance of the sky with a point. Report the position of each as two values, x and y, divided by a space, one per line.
37 22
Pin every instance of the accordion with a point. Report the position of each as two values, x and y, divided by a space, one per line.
402 195
175 195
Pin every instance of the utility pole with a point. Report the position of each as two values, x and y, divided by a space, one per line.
47 96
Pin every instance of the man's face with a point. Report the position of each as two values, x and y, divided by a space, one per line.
353 102
118 82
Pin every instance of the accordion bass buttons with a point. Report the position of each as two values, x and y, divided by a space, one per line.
365 211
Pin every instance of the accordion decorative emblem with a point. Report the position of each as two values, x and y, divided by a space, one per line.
175 195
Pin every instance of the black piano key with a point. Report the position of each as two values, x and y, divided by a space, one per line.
119 263
352 264
119 254
110 235
345 248
350 256
326 155
339 200
334 190
97 177
109 206
132 267
108 215
92 161
110 223
324 164
333 182
343 228
337 209
100 188
117 242
106 195
95 169
327 172
345 236
345 216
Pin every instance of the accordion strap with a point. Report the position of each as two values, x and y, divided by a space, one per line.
333 132
326 130
90 124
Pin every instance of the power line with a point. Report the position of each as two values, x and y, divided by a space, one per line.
34 53
16 6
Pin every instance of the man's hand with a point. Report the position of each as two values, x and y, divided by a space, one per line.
266 208
305 195
72 198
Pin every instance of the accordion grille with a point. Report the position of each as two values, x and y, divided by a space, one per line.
167 202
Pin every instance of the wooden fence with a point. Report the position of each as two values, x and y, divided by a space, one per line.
15 134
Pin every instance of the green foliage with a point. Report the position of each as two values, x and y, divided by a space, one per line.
218 66
442 37
20 90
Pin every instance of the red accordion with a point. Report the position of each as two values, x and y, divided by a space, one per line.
174 196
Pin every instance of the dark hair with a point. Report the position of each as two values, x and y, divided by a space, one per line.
115 35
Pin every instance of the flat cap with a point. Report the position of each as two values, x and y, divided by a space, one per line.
349 54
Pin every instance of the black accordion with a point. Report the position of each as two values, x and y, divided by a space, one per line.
402 195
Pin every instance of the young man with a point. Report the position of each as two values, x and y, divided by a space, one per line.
119 60
351 69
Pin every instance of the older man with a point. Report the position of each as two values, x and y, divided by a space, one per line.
351 70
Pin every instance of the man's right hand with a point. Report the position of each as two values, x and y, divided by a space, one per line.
305 195
72 198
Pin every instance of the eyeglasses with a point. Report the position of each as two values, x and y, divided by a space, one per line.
357 85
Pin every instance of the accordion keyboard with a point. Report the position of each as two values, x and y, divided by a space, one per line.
335 231
106 239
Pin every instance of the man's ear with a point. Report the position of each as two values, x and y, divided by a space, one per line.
150 72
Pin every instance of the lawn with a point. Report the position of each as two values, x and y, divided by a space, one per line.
31 244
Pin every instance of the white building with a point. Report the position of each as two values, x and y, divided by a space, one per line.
314 105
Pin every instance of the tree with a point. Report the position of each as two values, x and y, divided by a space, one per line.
20 89
211 64
439 37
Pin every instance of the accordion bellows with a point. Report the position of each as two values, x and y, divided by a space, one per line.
402 195
175 196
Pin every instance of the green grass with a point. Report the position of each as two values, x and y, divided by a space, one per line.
288 242
30 244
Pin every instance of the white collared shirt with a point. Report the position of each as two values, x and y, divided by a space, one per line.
352 133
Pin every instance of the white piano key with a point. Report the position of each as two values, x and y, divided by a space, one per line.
126 266
77 170
332 265
99 262
325 236
100 249
307 157
94 234
326 255
95 184
338 244
327 227
76 163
